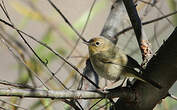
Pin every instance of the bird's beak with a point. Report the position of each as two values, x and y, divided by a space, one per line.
87 43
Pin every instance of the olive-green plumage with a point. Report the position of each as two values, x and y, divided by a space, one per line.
111 63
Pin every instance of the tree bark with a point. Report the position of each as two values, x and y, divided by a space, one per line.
162 68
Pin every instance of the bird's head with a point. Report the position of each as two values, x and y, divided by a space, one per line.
98 45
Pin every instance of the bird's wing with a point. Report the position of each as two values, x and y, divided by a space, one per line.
133 63
112 60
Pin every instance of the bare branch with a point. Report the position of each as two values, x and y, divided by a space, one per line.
18 85
146 22
66 20
113 21
166 55
45 45
139 32
77 42
67 94
173 97
15 105
95 104
19 59
72 104
154 5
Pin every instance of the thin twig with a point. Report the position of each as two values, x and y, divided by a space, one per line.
66 20
7 15
72 104
45 45
77 42
16 56
146 22
102 106
154 5
4 108
18 31
52 25
95 104
18 85
172 96
15 105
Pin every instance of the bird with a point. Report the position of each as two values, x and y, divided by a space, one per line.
111 63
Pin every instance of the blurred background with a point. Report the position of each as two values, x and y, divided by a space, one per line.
39 19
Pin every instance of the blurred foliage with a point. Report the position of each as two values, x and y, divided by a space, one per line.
173 7
26 11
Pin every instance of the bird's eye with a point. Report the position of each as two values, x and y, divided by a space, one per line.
97 43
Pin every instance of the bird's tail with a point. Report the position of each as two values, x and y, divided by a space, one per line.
144 79
153 83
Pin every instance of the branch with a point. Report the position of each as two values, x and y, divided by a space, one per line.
134 18
46 46
162 69
139 32
66 20
66 94
147 22
15 105
18 85
113 21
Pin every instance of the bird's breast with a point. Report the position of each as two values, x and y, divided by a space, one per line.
107 70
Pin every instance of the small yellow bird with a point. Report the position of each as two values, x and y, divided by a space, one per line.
112 63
